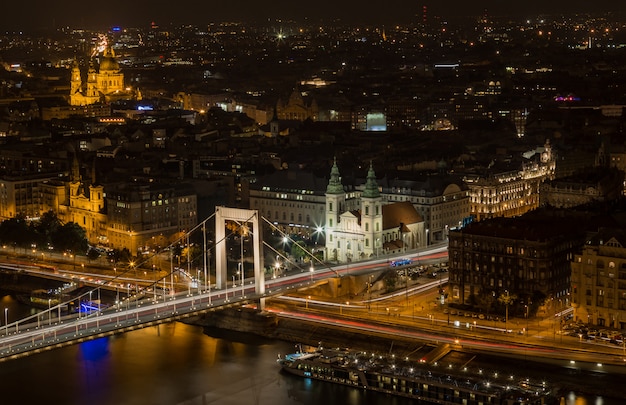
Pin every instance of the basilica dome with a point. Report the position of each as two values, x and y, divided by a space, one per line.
109 64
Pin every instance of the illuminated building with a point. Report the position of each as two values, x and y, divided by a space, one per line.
76 200
103 85
20 183
21 195
599 280
512 192
134 216
441 200
296 108
86 206
144 215
292 200
360 225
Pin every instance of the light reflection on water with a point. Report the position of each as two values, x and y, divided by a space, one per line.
173 364
572 399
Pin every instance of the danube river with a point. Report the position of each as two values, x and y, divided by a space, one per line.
169 365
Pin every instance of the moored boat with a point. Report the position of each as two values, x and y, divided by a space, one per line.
387 375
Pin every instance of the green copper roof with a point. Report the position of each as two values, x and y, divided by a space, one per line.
334 184
371 187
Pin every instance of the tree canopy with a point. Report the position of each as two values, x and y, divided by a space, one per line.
47 232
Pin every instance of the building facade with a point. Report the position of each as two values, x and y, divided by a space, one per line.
528 257
149 215
363 227
442 201
292 200
510 193
101 85
599 280
595 184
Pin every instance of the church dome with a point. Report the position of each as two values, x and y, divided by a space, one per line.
109 64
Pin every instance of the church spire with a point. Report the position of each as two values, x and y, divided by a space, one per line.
371 186
334 184
75 173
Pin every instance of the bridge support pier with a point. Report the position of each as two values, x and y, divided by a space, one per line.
242 216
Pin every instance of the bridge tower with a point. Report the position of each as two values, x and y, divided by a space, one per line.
242 217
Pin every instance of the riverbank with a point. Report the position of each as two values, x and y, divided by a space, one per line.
271 326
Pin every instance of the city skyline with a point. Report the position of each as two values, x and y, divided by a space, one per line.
39 14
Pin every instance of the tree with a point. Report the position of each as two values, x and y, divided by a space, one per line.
299 250
16 232
506 299
71 237
47 226
484 301
390 278
117 255
92 254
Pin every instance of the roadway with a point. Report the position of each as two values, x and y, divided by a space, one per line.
49 329
413 313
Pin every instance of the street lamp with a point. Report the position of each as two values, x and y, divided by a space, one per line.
341 307
526 307
240 274
49 312
6 321
311 270
506 315
369 291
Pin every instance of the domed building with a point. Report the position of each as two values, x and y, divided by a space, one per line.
103 85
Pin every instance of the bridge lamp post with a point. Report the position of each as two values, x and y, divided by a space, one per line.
155 281
49 312
6 321
312 270
208 283
243 277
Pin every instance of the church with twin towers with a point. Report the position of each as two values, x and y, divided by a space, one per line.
361 225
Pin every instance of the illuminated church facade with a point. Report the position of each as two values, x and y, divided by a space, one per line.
102 85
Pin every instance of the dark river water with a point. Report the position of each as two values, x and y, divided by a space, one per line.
174 364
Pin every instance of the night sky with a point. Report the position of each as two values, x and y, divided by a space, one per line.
30 14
